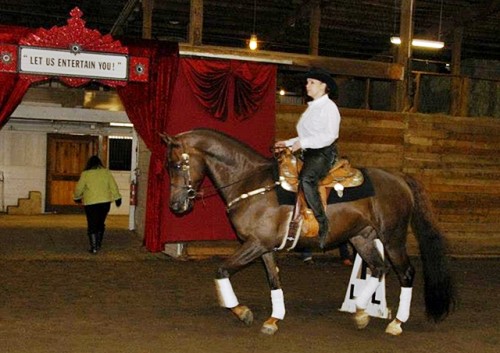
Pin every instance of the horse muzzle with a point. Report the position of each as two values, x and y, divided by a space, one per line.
180 207
183 200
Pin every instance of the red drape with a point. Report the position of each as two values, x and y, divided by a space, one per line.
244 95
12 88
227 88
147 107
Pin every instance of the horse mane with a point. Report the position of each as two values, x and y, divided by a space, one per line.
235 144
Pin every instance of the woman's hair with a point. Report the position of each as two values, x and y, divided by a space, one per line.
93 163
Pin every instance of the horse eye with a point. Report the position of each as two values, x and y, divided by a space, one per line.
174 165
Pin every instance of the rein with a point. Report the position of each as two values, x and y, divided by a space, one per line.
246 195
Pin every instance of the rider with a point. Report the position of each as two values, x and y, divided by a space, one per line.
317 130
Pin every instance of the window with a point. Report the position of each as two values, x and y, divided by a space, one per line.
120 153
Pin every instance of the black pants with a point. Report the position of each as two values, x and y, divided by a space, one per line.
96 216
317 163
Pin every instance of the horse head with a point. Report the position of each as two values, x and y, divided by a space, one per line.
185 167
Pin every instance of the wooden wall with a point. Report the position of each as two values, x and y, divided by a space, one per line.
457 159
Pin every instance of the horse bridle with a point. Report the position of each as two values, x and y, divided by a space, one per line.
185 167
192 193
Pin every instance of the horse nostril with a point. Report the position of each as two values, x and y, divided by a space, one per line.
175 206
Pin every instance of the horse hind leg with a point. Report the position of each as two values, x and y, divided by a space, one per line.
406 274
366 247
245 254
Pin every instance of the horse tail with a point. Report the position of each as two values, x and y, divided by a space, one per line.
438 284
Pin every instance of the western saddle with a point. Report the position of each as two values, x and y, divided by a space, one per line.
340 176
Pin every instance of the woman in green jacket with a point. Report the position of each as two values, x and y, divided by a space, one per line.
97 189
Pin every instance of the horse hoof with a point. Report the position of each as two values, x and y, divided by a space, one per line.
270 327
244 314
394 328
361 318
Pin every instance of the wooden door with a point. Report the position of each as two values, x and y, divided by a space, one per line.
66 158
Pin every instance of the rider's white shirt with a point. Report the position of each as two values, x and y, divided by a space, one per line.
319 125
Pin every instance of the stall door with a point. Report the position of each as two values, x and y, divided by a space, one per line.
66 158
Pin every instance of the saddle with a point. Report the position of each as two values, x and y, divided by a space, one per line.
342 175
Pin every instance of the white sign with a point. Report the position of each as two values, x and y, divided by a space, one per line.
68 63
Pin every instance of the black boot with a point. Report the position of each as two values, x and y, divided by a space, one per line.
100 235
93 243
317 162
314 202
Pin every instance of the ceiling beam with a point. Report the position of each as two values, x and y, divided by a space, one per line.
147 18
401 98
314 25
196 22
127 10
337 66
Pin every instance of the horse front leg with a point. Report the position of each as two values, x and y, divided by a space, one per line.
245 254
270 326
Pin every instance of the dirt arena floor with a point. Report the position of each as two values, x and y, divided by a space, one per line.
55 297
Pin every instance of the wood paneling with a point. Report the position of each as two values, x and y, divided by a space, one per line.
457 159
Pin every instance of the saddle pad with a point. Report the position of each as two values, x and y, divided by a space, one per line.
350 194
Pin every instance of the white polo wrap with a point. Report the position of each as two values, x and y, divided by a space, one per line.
278 302
364 298
404 304
225 293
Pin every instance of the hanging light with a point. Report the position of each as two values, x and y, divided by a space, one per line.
253 43
423 43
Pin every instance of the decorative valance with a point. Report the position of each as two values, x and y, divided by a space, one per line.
228 89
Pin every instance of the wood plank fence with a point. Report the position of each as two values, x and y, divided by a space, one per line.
456 158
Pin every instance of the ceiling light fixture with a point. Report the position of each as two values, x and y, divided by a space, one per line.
424 43
253 43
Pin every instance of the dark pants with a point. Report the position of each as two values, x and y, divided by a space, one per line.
96 216
317 163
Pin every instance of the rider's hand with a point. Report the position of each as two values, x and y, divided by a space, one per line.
296 146
280 144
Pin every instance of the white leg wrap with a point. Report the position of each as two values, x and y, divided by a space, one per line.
364 298
404 304
225 293
278 302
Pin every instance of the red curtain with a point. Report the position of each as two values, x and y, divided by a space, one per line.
12 88
228 88
240 102
147 107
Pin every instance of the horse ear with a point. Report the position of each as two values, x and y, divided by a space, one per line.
169 140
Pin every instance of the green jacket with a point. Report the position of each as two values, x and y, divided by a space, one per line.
96 186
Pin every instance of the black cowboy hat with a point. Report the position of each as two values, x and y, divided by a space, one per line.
325 77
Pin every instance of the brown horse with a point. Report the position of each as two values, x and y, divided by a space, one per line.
244 179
